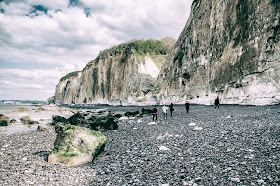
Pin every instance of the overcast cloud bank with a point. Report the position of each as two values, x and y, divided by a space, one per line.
41 41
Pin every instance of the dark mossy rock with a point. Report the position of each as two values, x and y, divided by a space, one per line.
27 121
111 124
131 114
117 116
146 111
31 122
4 120
13 121
76 119
3 123
128 114
92 118
58 119
104 123
135 113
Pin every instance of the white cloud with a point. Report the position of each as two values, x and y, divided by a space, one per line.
50 4
15 8
69 39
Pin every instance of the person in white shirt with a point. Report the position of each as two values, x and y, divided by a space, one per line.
164 111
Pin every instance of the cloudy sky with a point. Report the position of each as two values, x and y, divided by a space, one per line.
43 40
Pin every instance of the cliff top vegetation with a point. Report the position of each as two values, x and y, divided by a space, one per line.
142 47
71 74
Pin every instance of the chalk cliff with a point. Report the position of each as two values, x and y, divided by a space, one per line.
228 48
123 74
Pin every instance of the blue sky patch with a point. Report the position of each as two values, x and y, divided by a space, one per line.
25 66
74 2
38 8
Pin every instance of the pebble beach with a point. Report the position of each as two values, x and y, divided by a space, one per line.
235 145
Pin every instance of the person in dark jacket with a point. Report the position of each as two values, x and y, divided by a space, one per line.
217 103
154 112
171 109
187 105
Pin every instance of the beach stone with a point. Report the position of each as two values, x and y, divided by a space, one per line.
182 176
77 119
4 120
40 109
76 145
13 121
198 179
235 180
22 109
192 124
104 123
163 148
198 128
163 137
40 128
27 121
57 119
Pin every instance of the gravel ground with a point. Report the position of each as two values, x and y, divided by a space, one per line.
236 145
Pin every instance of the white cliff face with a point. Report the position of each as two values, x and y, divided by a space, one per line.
148 67
121 75
229 49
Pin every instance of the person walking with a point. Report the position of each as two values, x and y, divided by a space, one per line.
154 112
217 103
171 109
187 105
164 111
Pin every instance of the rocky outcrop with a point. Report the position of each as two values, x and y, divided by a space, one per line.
89 120
125 74
50 100
76 145
229 49
4 120
27 121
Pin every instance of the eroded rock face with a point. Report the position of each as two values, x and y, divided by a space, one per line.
76 145
229 49
125 74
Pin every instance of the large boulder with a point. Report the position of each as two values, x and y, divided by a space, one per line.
27 121
76 145
89 121
77 119
103 123
58 119
4 120
22 109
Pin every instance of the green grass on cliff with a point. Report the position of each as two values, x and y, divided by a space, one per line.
71 74
139 47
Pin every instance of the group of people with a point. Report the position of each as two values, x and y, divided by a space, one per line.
187 106
165 110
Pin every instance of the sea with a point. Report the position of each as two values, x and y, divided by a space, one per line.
44 117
